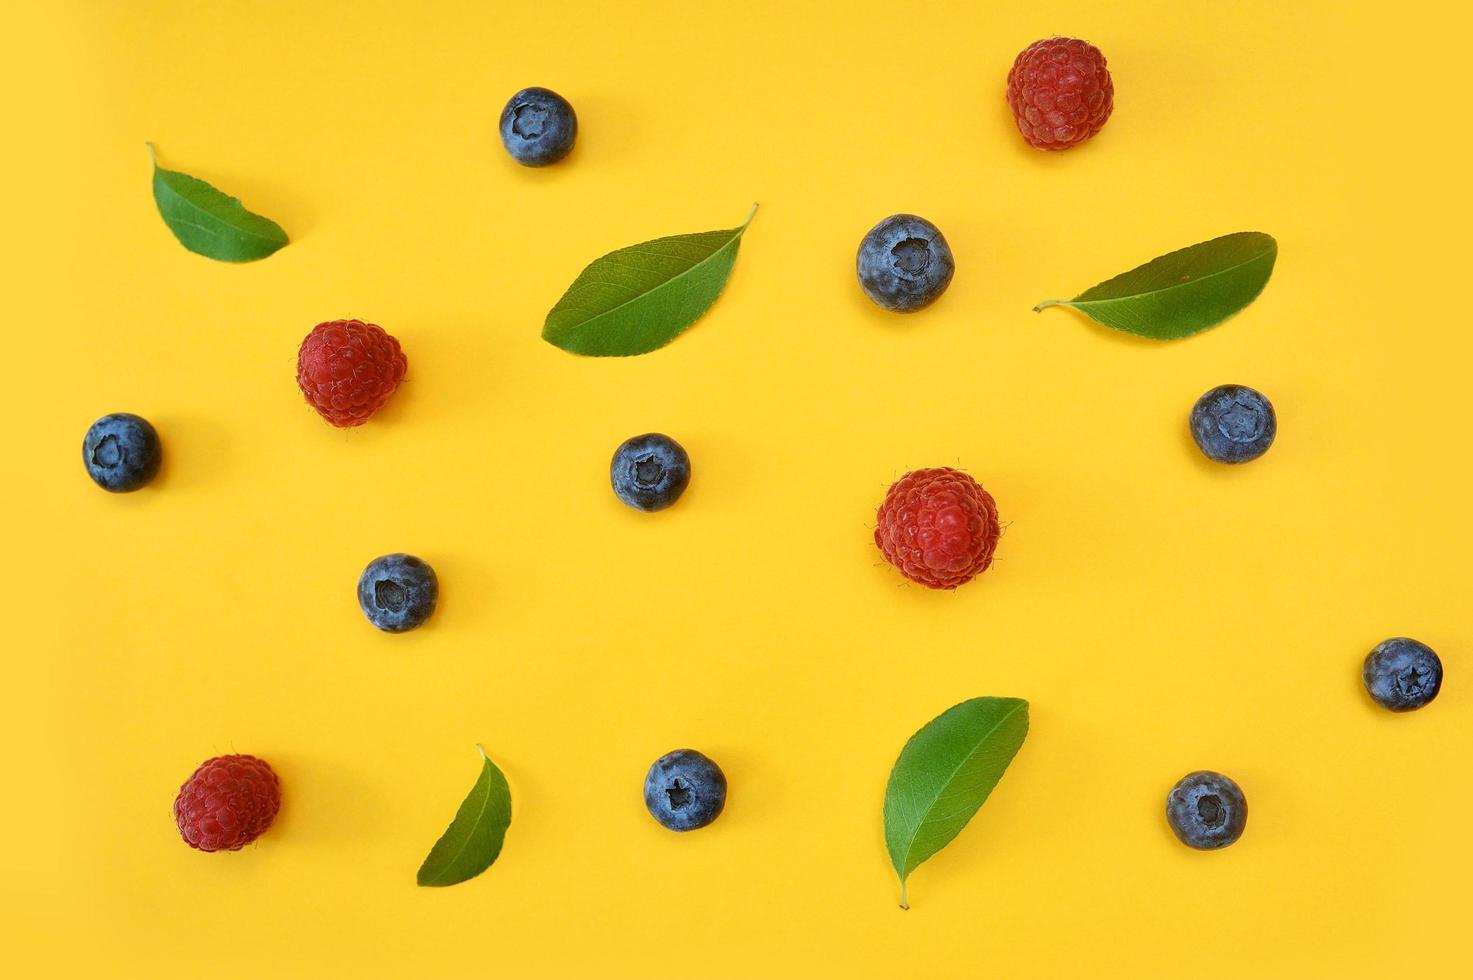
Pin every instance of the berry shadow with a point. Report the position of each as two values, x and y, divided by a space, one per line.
467 594
750 790
399 403
613 131
966 242
549 174
1254 784
453 363
719 474
1354 676
196 453
322 805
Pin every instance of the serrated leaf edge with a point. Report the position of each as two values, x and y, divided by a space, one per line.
736 237
485 761
245 233
1020 705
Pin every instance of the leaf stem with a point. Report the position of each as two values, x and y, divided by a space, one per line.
751 214
482 749
1049 302
904 902
152 156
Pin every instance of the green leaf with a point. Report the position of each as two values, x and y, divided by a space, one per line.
473 840
209 222
944 775
640 298
1183 292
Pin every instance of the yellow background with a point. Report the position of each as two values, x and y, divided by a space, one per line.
1161 613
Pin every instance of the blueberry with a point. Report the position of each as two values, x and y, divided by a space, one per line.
685 790
1233 424
398 592
538 127
1402 674
650 472
1206 810
121 452
904 263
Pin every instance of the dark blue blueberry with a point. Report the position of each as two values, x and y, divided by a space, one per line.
650 472
122 452
538 127
1233 424
904 263
1402 674
398 592
685 790
1206 810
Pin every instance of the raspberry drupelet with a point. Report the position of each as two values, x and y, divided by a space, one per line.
347 369
228 802
938 527
1060 92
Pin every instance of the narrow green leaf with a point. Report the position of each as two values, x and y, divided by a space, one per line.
473 840
944 775
1183 292
640 298
209 222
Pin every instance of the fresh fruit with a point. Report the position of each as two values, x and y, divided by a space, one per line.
122 452
347 369
1206 810
538 127
685 790
398 592
938 526
1233 424
228 802
1060 92
1402 674
904 263
649 472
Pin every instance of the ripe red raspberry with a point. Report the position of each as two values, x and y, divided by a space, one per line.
1061 92
938 526
348 369
228 802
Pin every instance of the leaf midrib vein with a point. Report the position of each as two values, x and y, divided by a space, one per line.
910 846
1175 285
485 802
210 214
663 283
